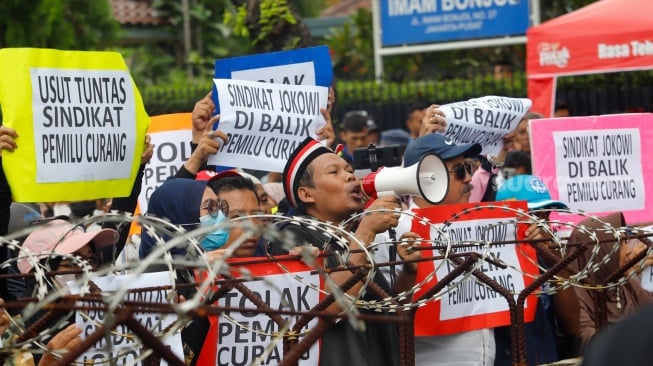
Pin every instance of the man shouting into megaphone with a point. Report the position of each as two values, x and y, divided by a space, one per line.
321 185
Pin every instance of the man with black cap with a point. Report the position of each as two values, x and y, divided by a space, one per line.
468 348
454 158
321 185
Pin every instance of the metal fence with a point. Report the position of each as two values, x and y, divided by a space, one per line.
389 102
607 93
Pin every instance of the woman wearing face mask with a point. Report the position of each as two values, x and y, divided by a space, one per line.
240 194
187 203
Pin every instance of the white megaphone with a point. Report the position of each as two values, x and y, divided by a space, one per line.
427 178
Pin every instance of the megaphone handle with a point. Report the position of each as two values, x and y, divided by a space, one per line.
392 251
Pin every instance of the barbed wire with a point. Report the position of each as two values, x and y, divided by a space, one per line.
340 243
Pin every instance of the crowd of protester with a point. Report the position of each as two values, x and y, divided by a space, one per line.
319 183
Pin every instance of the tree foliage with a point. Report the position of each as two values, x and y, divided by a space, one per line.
555 8
210 37
309 8
62 24
352 50
270 25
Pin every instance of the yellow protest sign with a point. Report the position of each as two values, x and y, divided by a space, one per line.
80 120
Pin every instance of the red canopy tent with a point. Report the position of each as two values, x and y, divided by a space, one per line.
605 36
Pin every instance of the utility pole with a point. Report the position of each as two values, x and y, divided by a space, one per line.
187 38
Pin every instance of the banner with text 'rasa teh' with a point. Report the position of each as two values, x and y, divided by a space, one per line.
80 120
484 120
598 164
171 136
265 122
238 338
471 305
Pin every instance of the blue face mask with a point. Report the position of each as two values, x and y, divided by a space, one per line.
215 239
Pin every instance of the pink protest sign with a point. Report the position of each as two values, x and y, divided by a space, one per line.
595 164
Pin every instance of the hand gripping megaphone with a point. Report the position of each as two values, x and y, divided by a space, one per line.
427 178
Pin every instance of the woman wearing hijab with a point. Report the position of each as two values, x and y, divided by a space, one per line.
187 203
621 300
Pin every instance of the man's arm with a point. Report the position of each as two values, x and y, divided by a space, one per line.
209 144
369 226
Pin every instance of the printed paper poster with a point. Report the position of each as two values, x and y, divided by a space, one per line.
484 120
266 122
80 120
596 163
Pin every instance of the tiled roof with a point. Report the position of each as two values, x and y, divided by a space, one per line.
346 8
134 12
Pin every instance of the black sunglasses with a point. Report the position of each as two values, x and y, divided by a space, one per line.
213 206
461 170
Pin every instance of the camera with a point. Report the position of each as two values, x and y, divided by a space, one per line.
369 159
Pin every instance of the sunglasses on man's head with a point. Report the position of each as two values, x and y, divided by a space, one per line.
215 206
461 170
361 113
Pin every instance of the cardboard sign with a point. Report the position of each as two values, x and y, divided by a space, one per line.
484 120
595 164
231 340
80 120
304 66
266 122
125 349
470 305
171 135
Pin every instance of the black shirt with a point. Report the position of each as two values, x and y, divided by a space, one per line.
377 345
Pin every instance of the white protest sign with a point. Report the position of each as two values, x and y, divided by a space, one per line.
242 337
265 122
84 125
600 170
468 305
471 297
302 73
171 150
484 120
124 346
171 136
301 66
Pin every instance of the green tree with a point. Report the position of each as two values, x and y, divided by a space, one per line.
309 8
62 24
218 29
271 25
209 37
167 63
555 8
352 51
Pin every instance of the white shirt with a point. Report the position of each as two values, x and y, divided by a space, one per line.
476 347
